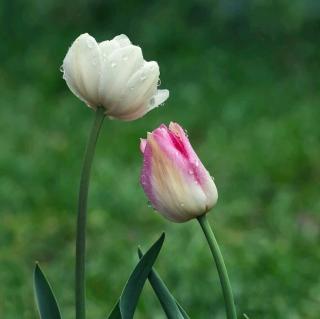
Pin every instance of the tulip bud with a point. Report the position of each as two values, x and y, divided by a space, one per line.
173 177
114 75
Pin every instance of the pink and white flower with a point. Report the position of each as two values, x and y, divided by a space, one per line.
173 178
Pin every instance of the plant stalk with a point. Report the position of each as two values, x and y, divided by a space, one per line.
80 289
222 270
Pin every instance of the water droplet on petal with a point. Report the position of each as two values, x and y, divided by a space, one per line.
182 204
61 69
152 101
132 88
190 172
197 163
143 77
125 58
113 64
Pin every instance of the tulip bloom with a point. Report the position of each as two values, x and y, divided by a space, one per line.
113 74
173 177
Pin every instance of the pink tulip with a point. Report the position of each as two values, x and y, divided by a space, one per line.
173 178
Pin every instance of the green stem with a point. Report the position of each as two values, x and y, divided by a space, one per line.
80 290
222 270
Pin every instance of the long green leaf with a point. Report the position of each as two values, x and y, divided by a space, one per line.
46 301
170 306
132 290
115 313
125 307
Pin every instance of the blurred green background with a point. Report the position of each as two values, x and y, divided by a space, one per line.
244 81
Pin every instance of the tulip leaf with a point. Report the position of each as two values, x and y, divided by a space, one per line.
45 299
115 313
125 307
132 290
170 306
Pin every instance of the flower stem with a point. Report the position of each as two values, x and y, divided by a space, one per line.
222 270
80 290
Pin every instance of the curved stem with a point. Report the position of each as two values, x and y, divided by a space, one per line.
222 270
82 216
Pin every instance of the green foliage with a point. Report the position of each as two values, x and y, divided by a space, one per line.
132 290
244 81
170 306
126 306
45 299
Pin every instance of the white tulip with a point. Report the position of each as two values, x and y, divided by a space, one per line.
114 75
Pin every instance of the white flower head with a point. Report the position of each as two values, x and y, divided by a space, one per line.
113 74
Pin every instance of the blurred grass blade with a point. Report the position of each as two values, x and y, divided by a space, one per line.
132 290
170 306
46 301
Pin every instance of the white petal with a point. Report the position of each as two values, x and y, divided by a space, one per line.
122 40
81 69
160 97
108 47
140 88
116 70
143 84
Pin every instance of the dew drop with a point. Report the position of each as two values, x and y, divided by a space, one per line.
190 172
182 204
152 101
125 58
61 69
143 77
132 88
197 163
113 64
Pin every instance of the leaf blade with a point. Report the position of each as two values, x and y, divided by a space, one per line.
130 295
115 313
46 302
171 307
